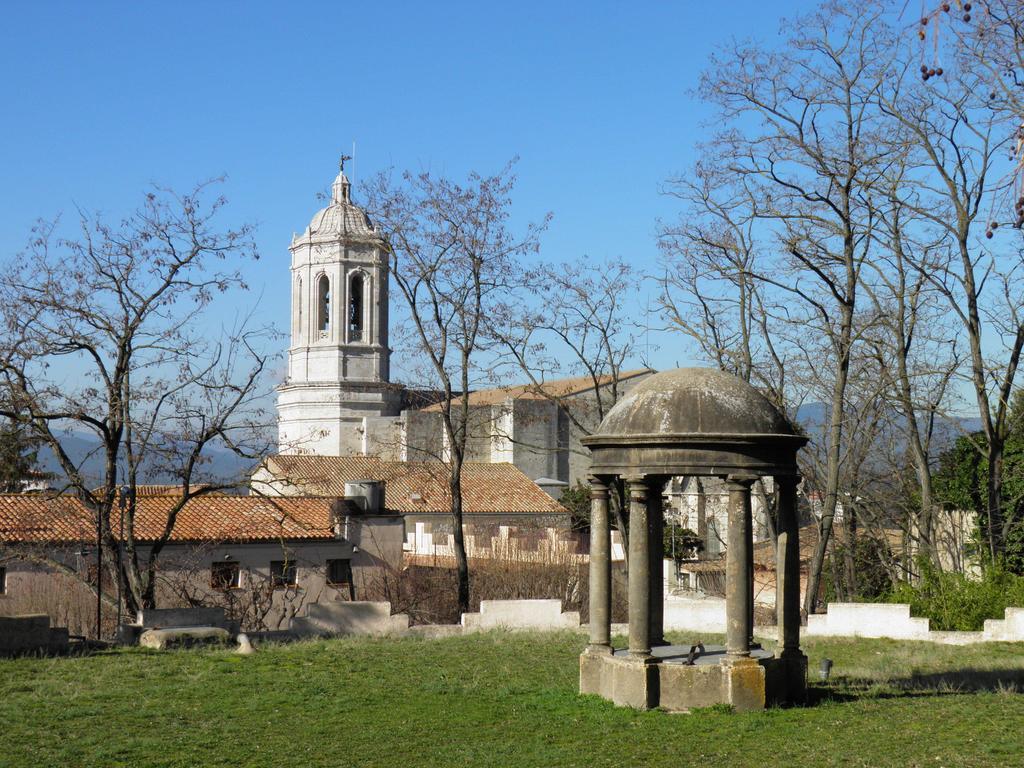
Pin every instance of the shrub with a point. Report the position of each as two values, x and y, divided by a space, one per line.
576 499
955 602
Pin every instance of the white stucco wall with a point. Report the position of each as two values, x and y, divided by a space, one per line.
890 620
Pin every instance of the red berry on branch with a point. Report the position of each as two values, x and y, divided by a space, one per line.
939 71
989 234
967 17
967 6
945 7
924 21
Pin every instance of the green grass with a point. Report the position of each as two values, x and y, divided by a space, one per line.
494 699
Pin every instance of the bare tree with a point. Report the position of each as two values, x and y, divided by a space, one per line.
709 290
990 45
452 258
581 325
575 319
959 140
101 339
710 293
801 130
914 344
831 249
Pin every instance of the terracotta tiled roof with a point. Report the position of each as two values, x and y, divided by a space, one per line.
549 389
163 490
156 490
486 488
38 518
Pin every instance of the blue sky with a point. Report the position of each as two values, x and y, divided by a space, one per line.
101 99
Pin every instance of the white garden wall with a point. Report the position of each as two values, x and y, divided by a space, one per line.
867 620
682 614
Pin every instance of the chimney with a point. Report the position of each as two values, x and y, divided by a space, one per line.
368 495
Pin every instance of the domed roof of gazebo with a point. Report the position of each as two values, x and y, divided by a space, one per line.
694 401
694 421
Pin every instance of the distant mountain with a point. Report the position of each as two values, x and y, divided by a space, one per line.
813 417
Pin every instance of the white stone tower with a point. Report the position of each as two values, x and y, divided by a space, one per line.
337 399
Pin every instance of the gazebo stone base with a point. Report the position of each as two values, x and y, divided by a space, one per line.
786 681
745 684
623 680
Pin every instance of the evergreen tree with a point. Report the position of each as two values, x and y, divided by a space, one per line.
19 456
963 469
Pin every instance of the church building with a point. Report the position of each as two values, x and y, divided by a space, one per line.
338 399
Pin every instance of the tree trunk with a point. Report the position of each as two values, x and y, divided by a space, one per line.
458 538
828 511
702 514
926 515
994 499
618 506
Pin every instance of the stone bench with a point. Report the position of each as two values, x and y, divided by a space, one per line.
350 618
183 637
175 618
521 614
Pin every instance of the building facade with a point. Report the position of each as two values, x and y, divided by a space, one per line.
265 560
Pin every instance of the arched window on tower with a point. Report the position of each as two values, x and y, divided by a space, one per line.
355 308
299 331
323 304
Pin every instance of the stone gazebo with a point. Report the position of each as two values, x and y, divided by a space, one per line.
693 421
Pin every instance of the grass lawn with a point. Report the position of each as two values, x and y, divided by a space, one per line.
494 699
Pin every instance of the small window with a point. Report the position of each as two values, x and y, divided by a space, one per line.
225 575
283 573
323 318
3 580
355 308
339 572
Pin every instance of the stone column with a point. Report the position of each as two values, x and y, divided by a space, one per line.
600 569
750 570
739 575
787 568
655 521
639 570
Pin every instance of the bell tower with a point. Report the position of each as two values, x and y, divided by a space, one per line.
337 399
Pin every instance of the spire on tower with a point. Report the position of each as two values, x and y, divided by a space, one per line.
341 189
